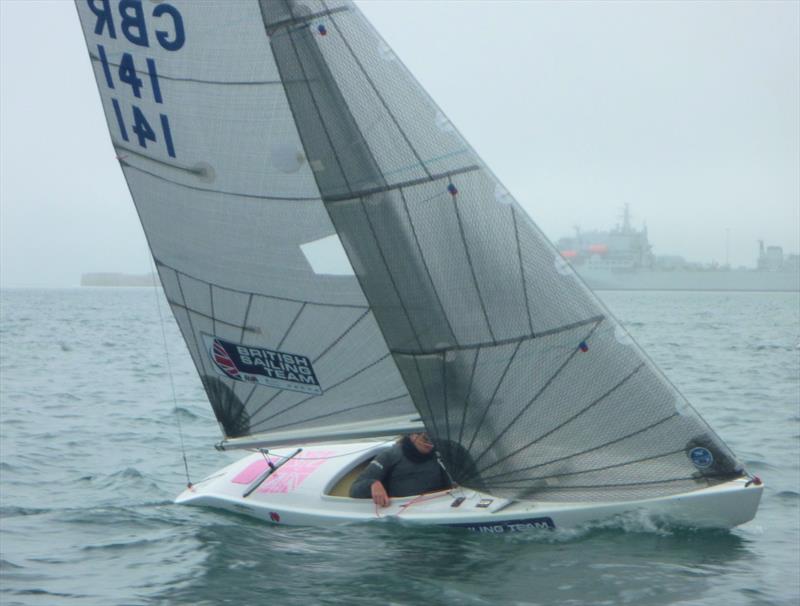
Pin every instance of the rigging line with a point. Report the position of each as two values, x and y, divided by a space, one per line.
169 373
313 98
335 198
666 380
425 265
266 403
266 296
252 329
469 395
241 340
378 94
538 335
588 450
370 158
341 336
472 267
572 418
494 395
594 469
250 395
424 497
444 398
208 189
390 274
535 397
328 390
521 268
213 315
337 412
199 360
424 393
288 330
246 317
369 155
199 349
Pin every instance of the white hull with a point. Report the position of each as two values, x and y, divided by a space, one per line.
299 493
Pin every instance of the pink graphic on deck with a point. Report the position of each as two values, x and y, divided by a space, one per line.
289 476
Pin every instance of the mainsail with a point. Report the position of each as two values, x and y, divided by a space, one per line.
249 131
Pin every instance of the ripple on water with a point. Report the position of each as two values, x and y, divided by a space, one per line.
50 594
114 531
10 511
70 397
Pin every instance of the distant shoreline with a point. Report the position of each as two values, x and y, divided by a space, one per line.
110 279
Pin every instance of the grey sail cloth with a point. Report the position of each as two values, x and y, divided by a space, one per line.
227 207
292 120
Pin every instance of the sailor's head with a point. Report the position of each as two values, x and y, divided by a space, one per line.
421 442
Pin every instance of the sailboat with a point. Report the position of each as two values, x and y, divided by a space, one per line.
344 270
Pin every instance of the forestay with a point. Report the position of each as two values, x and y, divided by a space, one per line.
250 131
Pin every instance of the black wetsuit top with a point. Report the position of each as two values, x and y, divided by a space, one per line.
403 471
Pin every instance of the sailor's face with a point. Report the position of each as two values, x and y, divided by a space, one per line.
421 442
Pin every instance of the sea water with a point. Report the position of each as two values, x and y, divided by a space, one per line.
97 388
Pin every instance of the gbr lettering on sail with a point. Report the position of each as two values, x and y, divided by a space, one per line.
132 76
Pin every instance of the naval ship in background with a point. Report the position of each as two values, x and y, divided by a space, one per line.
623 259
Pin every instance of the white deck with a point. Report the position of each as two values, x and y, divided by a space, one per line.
299 493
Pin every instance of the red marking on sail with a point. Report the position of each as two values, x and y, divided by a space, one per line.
223 360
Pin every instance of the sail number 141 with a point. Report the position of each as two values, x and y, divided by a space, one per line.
140 78
127 74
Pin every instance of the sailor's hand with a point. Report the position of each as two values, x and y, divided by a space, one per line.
379 495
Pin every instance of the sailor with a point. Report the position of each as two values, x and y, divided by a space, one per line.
409 467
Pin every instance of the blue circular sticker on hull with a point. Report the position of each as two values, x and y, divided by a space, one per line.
701 457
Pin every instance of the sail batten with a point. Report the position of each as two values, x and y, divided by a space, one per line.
362 307
251 129
130 166
244 327
350 196
302 20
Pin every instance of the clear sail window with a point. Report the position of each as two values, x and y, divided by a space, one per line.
327 256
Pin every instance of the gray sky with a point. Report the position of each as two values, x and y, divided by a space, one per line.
687 111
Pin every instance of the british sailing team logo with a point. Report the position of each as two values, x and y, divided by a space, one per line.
268 367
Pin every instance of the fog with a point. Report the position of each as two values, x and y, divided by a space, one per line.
686 111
